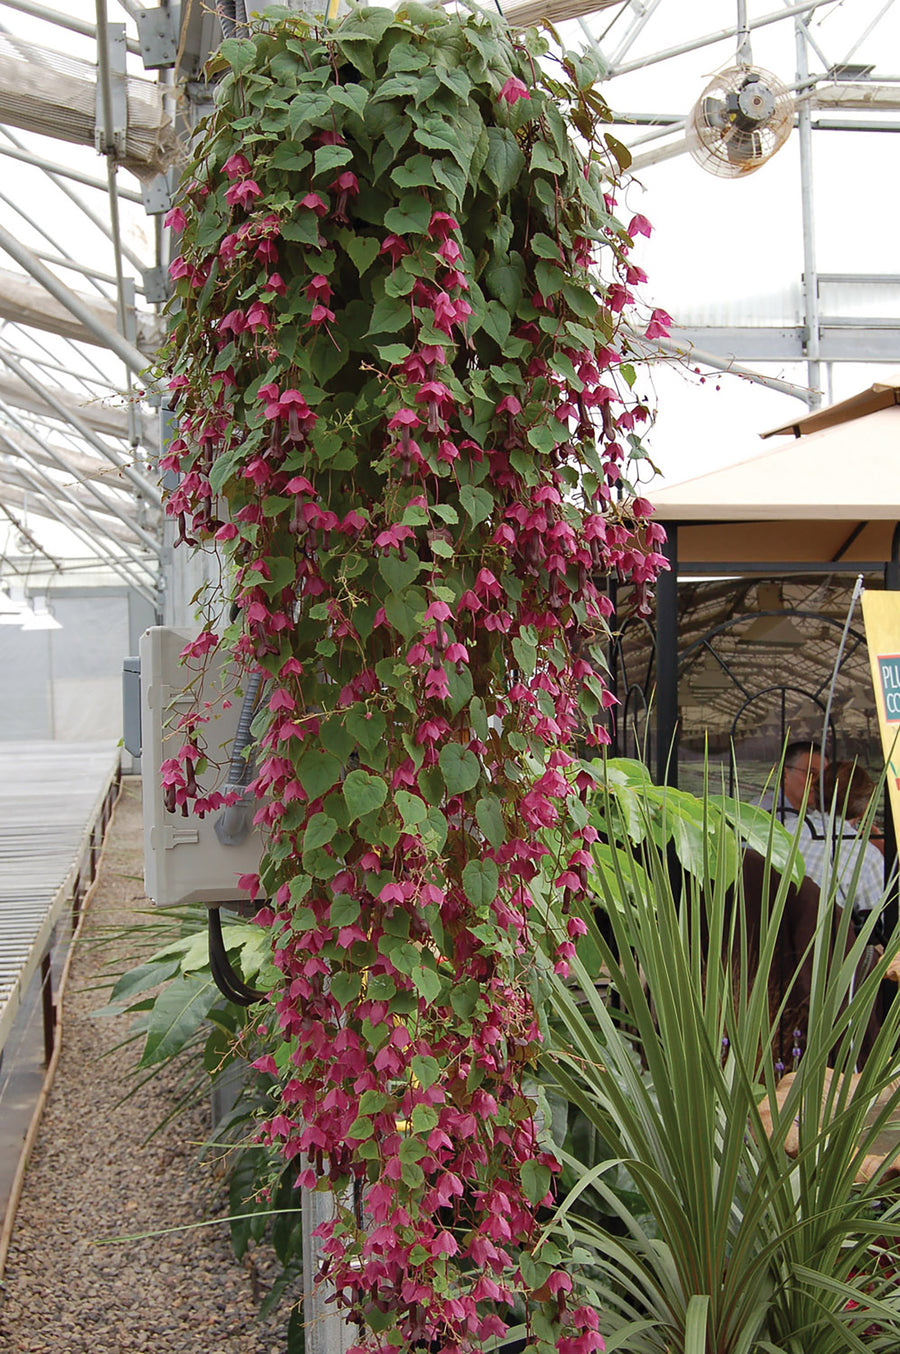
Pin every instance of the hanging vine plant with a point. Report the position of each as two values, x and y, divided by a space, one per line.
404 419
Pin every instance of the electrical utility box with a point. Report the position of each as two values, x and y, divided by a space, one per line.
184 860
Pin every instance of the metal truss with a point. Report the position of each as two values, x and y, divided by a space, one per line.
75 434
830 93
72 334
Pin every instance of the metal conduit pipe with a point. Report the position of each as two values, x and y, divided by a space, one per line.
240 770
235 823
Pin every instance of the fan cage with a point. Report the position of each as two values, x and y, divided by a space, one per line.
726 149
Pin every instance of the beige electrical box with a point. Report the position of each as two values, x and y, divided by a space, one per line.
184 860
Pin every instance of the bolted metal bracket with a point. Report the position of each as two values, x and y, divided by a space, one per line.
156 193
113 139
157 38
156 285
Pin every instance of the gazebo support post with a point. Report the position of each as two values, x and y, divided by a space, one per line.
667 664
891 584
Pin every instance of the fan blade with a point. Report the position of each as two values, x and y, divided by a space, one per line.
714 112
743 147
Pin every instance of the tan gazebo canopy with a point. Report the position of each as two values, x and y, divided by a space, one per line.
825 501
830 493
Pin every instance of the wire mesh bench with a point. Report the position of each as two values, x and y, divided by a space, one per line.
55 802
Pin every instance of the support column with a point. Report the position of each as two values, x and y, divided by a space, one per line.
810 277
49 1008
667 664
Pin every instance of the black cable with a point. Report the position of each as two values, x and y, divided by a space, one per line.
226 980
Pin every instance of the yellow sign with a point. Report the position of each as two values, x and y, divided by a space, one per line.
881 612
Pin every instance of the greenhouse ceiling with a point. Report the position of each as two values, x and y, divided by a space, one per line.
762 275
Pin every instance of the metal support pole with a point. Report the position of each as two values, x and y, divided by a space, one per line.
667 664
810 279
744 55
325 1330
49 1008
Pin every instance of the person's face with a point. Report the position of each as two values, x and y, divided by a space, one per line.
798 776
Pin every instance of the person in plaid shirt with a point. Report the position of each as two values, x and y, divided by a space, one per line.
833 849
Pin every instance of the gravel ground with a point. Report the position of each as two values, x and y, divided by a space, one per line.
92 1177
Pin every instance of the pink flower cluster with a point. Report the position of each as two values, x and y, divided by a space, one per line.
415 778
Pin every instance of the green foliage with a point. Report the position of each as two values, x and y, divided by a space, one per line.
395 341
709 835
183 1019
696 1229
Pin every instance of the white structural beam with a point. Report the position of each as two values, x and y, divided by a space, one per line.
719 35
553 11
18 490
862 340
68 21
134 359
857 95
142 485
99 418
24 301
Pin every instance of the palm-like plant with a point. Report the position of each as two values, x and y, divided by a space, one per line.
747 1247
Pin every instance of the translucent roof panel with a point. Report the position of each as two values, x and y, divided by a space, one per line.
747 267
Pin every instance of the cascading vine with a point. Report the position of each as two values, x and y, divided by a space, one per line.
405 414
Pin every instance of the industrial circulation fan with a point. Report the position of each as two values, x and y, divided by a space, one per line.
743 116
